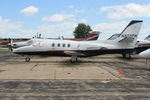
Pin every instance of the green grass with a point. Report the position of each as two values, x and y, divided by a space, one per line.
3 48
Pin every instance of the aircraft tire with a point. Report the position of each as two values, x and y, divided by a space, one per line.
126 55
27 59
73 59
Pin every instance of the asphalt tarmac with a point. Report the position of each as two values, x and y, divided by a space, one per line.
55 78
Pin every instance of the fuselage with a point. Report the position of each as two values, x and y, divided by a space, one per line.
55 47
69 48
92 36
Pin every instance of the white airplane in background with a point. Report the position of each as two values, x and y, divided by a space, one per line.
125 43
145 42
141 45
145 54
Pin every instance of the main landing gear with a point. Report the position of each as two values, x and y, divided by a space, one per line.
126 55
27 59
74 59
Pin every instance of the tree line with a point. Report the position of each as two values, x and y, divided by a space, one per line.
82 30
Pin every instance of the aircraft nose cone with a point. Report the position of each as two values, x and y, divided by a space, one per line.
145 54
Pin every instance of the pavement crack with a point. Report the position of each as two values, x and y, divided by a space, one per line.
33 67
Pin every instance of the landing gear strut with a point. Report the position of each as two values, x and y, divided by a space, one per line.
27 59
74 59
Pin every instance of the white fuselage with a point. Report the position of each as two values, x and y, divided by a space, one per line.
47 45
55 45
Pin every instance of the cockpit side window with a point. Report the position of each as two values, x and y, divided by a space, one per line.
58 44
38 44
63 45
53 44
68 45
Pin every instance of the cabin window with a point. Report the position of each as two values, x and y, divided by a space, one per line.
63 45
53 45
58 44
68 45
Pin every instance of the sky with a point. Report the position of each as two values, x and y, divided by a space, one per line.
54 18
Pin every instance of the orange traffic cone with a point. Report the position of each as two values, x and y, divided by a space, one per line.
120 71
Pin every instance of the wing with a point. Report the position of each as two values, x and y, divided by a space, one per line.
74 53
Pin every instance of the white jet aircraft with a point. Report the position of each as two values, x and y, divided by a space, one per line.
123 44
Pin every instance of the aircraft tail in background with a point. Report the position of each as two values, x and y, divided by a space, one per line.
93 35
130 33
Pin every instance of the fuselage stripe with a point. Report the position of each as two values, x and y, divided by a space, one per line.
61 50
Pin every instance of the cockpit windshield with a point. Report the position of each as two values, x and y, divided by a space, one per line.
37 43
29 42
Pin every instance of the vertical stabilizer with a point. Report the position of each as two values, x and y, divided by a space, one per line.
130 33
